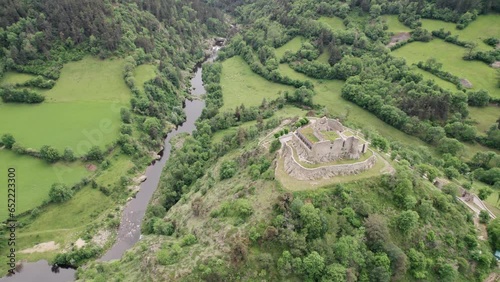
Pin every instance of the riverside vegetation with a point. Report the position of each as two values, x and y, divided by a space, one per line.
219 213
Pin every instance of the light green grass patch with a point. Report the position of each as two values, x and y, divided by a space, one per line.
286 70
119 167
12 78
394 25
485 117
440 82
62 223
330 135
308 133
78 125
91 79
324 57
292 45
144 73
333 22
34 178
483 27
240 85
478 73
82 110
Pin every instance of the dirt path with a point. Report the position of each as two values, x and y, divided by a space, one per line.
41 248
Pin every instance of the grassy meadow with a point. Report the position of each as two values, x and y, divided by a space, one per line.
34 178
395 26
485 117
240 85
62 223
143 73
483 27
333 22
292 45
478 73
82 110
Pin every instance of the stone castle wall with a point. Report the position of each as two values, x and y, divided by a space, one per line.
294 169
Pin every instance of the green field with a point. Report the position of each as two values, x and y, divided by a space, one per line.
14 77
478 73
333 22
394 24
441 82
82 110
143 73
324 57
485 117
240 85
483 27
292 45
62 223
34 179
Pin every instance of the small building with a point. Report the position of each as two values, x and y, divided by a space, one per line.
326 140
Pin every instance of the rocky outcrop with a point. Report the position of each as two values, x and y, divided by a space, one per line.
296 170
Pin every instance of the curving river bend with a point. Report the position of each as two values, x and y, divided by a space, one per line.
129 231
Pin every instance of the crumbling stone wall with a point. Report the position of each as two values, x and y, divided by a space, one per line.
294 169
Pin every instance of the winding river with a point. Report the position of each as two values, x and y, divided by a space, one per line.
129 231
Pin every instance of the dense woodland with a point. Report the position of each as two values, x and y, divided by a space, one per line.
389 228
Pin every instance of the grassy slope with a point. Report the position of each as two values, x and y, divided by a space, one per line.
80 111
61 223
241 85
483 27
292 45
333 22
394 24
485 117
143 73
34 179
479 74
14 77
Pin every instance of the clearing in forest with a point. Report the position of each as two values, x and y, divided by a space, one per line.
292 45
333 22
240 85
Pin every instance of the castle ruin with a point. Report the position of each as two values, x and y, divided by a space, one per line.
324 141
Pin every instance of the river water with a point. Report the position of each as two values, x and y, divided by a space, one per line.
129 231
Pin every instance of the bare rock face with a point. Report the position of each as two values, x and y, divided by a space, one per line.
465 83
402 36
495 65
140 179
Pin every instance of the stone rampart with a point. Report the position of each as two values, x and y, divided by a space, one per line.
296 170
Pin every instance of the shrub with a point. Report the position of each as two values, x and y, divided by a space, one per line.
189 240
275 145
60 193
10 95
8 140
49 154
227 170
492 41
95 154
68 155
484 217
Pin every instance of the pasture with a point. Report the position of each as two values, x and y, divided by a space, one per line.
292 45
394 25
82 110
34 178
240 85
333 22
483 27
478 73
144 73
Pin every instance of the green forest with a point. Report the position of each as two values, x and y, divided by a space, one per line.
419 80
